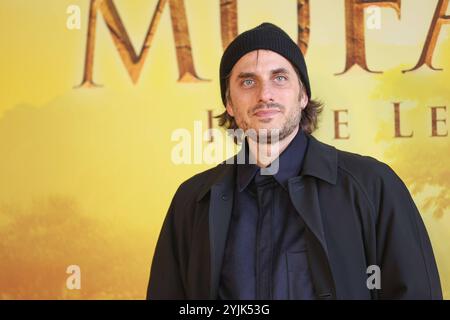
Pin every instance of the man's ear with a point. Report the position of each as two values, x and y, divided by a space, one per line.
304 99
229 108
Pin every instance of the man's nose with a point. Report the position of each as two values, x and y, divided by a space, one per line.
265 93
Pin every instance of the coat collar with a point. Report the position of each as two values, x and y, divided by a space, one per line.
320 161
289 162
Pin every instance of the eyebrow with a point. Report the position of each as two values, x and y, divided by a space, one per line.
280 70
253 75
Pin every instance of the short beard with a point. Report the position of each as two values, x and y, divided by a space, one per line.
270 136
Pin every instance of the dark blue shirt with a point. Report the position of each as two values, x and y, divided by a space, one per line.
265 254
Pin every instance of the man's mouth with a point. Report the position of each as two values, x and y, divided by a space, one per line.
266 113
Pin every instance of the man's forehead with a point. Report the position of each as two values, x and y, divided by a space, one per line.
261 60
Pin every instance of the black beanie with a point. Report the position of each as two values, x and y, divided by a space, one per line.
265 36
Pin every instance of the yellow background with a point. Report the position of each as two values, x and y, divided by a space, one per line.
86 175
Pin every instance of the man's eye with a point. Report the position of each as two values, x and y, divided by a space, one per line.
247 82
280 78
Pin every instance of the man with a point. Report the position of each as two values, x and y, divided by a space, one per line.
326 224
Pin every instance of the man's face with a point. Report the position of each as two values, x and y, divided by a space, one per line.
265 93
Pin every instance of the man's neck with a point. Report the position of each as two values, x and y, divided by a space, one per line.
265 154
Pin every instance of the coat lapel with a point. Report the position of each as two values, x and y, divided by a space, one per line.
320 163
221 189
303 193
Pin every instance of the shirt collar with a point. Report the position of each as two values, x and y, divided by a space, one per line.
290 162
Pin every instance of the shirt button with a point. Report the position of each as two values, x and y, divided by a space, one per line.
224 197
